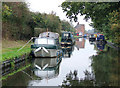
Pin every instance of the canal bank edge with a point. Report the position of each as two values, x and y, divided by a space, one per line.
12 62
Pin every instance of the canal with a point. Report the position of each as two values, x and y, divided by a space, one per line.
98 63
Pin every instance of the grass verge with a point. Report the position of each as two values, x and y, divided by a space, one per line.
76 36
10 49
59 39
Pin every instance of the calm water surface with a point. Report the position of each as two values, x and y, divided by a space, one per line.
81 57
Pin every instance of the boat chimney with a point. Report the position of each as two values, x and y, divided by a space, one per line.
47 32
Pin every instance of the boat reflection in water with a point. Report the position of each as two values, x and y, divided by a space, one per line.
80 43
92 42
67 51
46 68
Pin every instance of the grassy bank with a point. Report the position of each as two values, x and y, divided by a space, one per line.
59 39
76 36
10 49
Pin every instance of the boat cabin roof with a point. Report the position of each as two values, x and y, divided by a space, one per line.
49 34
67 32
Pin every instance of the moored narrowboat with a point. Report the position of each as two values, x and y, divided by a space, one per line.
92 38
101 39
67 38
46 45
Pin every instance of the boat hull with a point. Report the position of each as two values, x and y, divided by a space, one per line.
50 53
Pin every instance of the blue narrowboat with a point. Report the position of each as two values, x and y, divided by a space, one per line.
85 35
101 38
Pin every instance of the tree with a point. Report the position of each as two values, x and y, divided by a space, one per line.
66 26
98 12
16 17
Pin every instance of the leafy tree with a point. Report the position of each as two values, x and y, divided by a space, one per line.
52 22
115 26
98 12
16 16
19 23
66 26
47 21
6 12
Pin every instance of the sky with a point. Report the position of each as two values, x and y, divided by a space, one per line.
47 6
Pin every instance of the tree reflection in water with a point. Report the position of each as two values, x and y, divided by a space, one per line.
72 80
105 71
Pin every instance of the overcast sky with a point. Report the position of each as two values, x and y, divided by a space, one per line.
47 6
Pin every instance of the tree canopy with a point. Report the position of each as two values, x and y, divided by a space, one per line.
100 13
20 23
66 26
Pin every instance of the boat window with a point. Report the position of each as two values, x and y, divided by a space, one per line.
45 41
66 34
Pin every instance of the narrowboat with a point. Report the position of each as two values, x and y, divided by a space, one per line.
85 36
67 38
92 38
46 45
101 39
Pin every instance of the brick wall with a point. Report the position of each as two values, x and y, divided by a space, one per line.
80 28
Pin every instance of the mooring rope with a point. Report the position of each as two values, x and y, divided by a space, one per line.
27 74
26 44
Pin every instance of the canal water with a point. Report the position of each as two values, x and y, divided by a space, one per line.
101 61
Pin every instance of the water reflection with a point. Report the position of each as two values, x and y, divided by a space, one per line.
14 76
106 67
52 71
92 42
100 47
55 76
9 69
80 43
105 71
46 68
94 68
67 51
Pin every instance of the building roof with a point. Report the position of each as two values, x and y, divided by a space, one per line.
78 26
